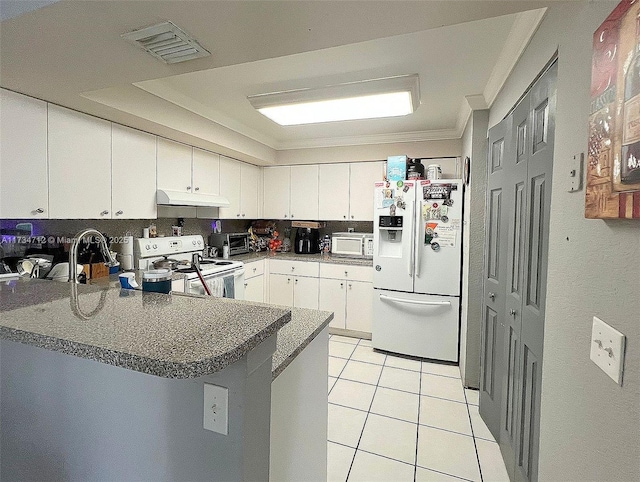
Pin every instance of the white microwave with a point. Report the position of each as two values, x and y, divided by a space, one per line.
354 245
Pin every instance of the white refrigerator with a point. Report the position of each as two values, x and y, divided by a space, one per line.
417 264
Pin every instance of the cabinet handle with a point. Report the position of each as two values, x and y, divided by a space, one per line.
188 188
118 213
39 211
341 285
243 215
492 296
238 215
296 281
352 216
344 217
285 216
346 274
293 268
292 215
246 284
513 312
349 285
254 269
288 280
104 213
197 189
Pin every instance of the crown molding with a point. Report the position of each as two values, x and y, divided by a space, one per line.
522 30
417 136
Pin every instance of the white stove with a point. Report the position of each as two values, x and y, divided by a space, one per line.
224 277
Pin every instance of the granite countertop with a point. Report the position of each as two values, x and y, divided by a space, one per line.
322 258
172 336
304 326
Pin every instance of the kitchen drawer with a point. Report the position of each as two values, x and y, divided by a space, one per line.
346 271
253 268
298 268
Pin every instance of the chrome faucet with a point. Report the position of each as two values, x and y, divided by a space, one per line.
73 252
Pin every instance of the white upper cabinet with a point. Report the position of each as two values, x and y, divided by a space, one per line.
277 192
230 187
79 165
206 172
304 193
23 157
133 174
334 192
362 177
249 189
174 165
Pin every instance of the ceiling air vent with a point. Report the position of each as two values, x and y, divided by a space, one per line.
167 42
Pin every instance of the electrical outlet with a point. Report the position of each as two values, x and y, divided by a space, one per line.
216 409
607 349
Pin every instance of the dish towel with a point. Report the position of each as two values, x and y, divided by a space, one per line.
216 286
229 288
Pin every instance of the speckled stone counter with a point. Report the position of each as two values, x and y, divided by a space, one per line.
171 336
247 258
304 326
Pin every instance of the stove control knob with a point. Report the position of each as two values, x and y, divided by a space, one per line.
155 246
199 242
193 242
148 247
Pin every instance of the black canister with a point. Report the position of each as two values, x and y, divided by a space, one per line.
157 281
415 169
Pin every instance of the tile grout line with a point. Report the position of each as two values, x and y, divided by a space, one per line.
415 466
475 445
366 418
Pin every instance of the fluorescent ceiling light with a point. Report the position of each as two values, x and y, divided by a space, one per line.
389 97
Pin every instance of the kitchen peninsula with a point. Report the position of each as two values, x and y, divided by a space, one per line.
98 382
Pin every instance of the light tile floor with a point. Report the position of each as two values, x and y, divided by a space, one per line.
396 419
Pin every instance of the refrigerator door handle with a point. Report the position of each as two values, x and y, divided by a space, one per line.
418 239
415 302
412 244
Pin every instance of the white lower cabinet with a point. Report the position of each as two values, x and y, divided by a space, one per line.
296 291
359 306
332 298
254 281
348 292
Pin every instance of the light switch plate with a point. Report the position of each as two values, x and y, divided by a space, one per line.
576 173
216 408
607 349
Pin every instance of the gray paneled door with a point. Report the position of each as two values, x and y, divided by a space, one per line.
517 361
495 260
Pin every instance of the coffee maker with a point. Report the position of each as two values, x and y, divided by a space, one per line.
307 241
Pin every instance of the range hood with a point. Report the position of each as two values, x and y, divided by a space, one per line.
179 198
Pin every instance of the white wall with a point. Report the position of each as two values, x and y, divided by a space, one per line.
589 427
474 145
371 152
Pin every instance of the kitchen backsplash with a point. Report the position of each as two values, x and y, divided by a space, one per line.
115 228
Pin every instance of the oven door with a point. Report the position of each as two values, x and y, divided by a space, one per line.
225 284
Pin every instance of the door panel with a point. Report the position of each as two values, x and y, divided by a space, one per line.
494 280
332 297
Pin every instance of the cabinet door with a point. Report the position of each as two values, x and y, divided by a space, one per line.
333 192
206 172
230 187
362 177
332 298
281 289
24 187
249 180
254 289
276 192
359 306
79 165
305 292
174 165
304 193
133 174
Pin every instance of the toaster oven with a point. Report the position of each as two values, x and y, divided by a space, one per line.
238 242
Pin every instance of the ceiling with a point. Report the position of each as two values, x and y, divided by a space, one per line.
71 53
